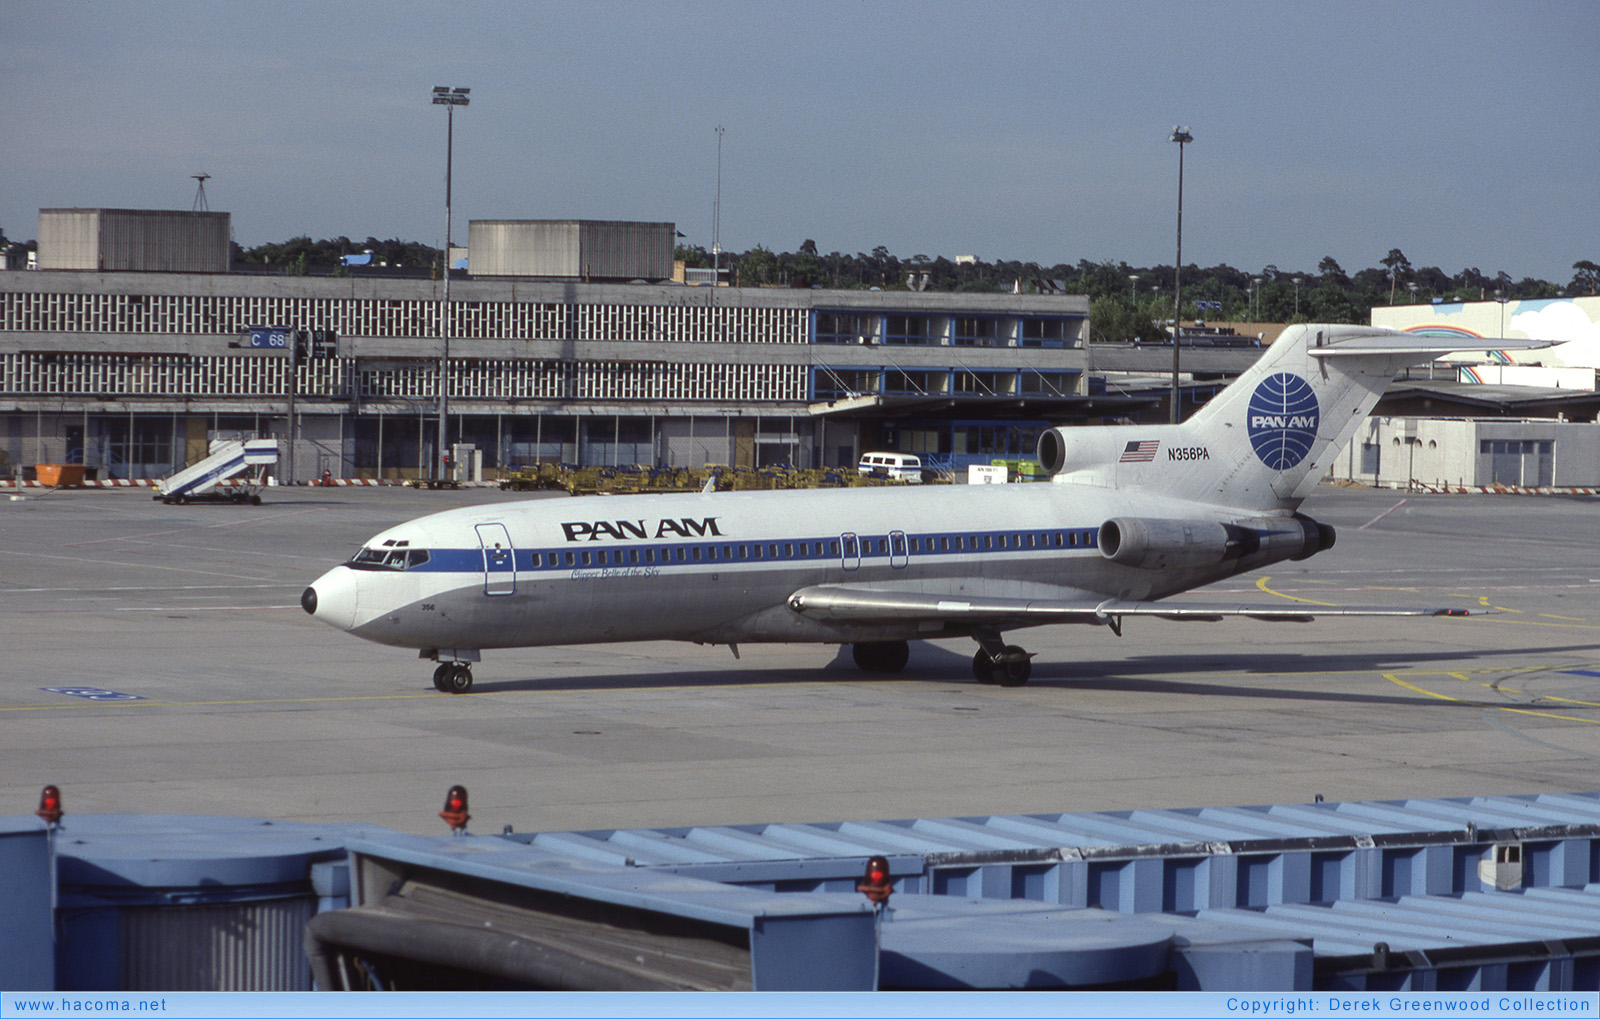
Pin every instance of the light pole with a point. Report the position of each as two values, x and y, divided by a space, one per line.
1501 299
449 98
1297 281
1255 297
1133 288
716 220
1182 136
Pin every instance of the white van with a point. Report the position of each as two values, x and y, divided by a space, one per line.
901 466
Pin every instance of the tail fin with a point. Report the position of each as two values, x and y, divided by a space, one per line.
1279 425
1263 443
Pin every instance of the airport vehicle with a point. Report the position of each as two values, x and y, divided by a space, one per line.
227 458
899 466
1131 514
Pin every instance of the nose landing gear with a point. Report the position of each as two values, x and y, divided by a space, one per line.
452 677
454 674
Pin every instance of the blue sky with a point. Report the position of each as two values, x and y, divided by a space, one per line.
1465 134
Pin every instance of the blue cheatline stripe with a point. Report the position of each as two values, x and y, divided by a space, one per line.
873 549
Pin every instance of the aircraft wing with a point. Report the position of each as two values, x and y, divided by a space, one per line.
858 604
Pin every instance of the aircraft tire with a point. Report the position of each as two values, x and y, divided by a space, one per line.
1014 673
440 680
983 668
458 679
255 500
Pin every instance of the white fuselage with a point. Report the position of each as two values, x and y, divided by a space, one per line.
720 568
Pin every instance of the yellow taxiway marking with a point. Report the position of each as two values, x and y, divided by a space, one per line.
1396 680
1577 622
1262 584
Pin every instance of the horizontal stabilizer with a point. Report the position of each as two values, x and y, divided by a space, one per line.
866 604
1421 346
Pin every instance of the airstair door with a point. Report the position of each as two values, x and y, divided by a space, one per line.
499 559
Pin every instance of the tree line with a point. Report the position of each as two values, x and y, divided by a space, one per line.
1126 301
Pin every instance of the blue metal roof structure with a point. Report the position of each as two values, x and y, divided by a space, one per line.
1481 893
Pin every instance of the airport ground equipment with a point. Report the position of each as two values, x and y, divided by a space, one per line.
227 459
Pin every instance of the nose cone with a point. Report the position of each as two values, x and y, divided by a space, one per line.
332 598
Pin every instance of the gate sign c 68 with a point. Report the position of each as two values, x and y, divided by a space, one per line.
268 338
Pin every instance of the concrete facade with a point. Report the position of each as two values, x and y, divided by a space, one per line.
133 373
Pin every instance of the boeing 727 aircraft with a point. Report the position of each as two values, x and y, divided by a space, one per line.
1132 514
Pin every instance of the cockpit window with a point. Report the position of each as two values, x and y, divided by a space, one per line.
388 558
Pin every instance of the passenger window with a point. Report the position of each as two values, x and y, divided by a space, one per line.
570 560
584 556
788 550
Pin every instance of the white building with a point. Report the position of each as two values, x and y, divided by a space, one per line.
1450 453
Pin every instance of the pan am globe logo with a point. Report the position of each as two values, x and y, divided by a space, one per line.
1282 420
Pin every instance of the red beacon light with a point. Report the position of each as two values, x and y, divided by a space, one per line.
50 805
455 809
875 883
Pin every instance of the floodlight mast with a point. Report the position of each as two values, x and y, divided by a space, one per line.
449 98
1182 136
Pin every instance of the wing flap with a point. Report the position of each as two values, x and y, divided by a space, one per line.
859 604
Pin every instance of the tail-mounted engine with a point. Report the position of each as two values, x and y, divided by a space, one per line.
1158 544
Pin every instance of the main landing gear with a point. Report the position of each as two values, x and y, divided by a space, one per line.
452 677
881 655
998 662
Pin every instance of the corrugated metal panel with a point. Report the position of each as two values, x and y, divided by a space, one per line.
69 238
571 249
244 946
27 962
134 240
612 250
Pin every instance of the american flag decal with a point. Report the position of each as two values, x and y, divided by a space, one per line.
1140 452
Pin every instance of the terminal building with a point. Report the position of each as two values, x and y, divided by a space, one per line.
128 355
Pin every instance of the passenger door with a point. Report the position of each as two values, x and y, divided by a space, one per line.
499 560
850 552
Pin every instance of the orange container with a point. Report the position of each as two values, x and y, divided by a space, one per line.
59 475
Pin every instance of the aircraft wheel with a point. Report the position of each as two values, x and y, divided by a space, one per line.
881 656
441 677
984 668
1014 673
458 679
255 500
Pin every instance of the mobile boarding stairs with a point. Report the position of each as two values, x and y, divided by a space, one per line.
228 458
